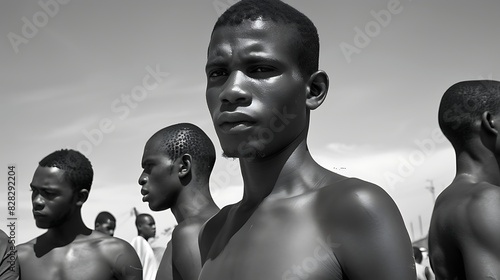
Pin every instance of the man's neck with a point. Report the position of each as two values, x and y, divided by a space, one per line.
194 200
478 166
68 231
290 172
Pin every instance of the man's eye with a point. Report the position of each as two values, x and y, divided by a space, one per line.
262 72
217 73
48 194
262 69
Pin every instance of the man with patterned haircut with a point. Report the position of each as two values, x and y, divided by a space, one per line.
177 163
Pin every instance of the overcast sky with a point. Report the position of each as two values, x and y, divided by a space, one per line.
71 76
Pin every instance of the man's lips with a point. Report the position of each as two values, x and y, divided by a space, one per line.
38 214
234 122
144 195
235 126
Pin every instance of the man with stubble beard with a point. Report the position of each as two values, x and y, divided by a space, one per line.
296 220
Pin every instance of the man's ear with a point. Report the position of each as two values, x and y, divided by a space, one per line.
185 165
317 88
488 123
82 196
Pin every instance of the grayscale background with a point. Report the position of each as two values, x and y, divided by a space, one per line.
71 75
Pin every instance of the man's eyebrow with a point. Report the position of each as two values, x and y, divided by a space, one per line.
218 62
255 59
146 161
215 63
43 187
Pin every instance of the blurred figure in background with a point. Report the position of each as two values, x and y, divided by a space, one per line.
105 222
146 229
423 272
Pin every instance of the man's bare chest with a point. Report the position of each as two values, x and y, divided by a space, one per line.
74 262
277 243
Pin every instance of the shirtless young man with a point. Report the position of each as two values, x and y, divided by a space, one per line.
105 222
296 220
464 240
177 163
70 250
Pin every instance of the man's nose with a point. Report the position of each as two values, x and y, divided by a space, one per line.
38 202
143 179
235 89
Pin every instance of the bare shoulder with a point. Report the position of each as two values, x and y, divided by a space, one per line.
486 193
483 208
27 245
353 205
185 239
352 194
187 231
362 217
213 225
26 249
114 250
464 230
468 205
120 255
110 245
210 229
3 236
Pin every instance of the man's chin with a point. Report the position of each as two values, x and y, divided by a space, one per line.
156 208
42 225
242 152
245 155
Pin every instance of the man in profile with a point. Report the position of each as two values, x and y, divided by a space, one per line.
177 163
464 240
146 229
296 219
69 249
105 222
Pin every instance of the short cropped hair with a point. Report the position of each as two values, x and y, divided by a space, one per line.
103 217
186 138
279 12
462 106
77 168
139 219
